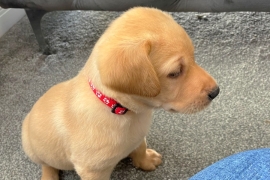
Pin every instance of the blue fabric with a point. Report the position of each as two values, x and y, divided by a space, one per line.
248 165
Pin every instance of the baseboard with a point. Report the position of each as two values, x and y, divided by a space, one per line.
9 17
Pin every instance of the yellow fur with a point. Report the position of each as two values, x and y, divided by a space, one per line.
70 128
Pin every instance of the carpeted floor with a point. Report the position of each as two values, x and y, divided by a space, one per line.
233 47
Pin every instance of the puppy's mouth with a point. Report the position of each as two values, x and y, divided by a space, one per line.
189 109
196 107
172 111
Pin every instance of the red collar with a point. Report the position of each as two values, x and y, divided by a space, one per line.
114 105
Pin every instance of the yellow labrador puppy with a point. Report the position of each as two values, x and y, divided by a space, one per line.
143 61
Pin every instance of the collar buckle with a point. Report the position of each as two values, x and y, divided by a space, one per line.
119 109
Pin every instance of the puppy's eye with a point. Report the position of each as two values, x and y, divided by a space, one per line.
174 75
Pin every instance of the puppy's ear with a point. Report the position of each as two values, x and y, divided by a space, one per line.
128 69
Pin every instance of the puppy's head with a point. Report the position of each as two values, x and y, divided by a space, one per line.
146 53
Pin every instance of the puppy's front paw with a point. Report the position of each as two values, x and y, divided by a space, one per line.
149 161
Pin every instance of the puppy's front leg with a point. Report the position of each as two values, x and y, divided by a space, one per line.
87 174
49 173
146 159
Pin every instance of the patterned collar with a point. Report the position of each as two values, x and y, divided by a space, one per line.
116 107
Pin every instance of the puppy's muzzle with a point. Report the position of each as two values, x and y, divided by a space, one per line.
213 93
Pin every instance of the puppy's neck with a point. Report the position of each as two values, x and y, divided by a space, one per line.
115 107
133 103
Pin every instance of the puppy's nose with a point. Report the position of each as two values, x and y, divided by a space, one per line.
213 93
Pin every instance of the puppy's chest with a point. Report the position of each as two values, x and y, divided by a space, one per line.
114 140
139 127
135 132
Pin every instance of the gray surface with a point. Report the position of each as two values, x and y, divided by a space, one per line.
233 47
120 5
